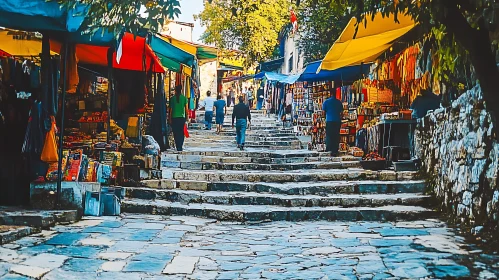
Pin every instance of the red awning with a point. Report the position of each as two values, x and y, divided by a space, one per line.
135 50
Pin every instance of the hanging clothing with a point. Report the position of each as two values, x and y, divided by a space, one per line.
72 78
132 129
158 127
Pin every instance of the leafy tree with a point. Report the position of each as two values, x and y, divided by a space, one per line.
252 27
131 15
320 24
465 30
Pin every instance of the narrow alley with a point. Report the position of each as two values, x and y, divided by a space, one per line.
274 211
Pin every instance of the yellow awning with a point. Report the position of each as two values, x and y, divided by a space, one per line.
370 41
20 47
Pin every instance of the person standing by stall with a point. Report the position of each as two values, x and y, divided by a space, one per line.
334 111
250 97
242 116
178 116
259 98
207 104
221 110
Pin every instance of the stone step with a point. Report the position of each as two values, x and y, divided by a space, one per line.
195 154
36 218
10 234
169 161
244 213
253 127
295 188
257 166
315 175
247 143
247 198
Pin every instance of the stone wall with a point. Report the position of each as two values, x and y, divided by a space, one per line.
460 160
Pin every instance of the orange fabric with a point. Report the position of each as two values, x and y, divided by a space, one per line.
49 152
131 59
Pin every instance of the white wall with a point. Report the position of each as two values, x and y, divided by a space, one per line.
291 48
208 79
178 31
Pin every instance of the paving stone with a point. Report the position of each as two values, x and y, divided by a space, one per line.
58 274
127 246
113 266
410 273
66 238
77 251
450 271
80 265
114 256
12 276
30 271
181 265
100 241
322 251
154 267
228 275
50 261
8 255
401 232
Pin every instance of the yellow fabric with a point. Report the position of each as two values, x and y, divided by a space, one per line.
191 48
186 70
12 46
132 129
369 42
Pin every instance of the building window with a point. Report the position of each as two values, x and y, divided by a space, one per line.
290 64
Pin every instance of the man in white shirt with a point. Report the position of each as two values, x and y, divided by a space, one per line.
207 104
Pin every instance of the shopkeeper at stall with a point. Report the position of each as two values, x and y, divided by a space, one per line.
334 111
423 103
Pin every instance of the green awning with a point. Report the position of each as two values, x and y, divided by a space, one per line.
171 57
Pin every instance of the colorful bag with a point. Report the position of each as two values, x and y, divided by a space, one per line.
49 152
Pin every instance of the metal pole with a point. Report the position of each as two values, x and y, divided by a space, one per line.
61 131
110 90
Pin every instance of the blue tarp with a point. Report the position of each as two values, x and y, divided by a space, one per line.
349 73
276 77
40 15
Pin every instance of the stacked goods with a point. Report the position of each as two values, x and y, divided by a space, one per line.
372 156
356 152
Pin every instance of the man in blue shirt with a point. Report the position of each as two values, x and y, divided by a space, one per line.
334 112
221 110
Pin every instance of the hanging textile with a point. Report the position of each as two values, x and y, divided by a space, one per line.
72 78
158 127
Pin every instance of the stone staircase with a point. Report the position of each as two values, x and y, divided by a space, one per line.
273 179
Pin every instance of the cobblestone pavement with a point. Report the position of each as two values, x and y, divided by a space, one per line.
157 247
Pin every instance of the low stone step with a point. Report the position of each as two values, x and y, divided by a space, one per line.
10 234
315 175
247 143
175 161
35 218
295 188
247 198
257 166
194 154
244 213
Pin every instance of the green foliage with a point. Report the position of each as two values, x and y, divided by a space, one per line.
130 15
251 27
320 24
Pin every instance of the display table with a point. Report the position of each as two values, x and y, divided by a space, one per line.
396 133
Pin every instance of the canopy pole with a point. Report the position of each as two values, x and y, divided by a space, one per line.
61 131
110 90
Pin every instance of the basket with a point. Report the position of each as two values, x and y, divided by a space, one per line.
373 165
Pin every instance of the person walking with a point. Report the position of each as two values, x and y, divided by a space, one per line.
250 97
259 98
207 104
334 111
242 116
232 96
178 116
221 110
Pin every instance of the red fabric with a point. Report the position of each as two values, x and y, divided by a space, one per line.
131 59
186 132
364 91
3 53
338 93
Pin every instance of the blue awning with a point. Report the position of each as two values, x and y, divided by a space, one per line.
349 73
40 15
277 77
